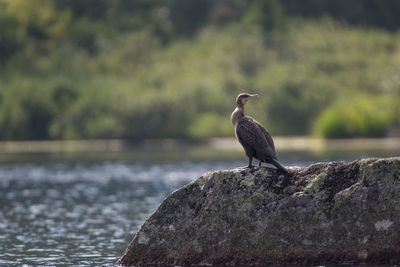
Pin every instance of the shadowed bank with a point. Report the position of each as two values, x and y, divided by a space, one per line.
306 148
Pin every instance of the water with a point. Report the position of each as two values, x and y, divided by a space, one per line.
85 213
77 213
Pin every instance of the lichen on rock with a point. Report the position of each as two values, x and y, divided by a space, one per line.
335 212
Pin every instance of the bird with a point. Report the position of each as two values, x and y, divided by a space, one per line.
254 138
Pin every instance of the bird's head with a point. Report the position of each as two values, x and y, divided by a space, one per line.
243 98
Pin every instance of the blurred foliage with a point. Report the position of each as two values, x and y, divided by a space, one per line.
364 116
269 14
377 13
152 69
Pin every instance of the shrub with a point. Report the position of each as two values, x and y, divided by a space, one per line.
364 116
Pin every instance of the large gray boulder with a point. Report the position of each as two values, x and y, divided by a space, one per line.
336 212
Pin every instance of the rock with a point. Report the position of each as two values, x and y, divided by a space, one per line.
336 212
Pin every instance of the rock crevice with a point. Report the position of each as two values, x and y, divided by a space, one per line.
336 212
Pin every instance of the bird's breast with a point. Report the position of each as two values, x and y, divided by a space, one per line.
236 115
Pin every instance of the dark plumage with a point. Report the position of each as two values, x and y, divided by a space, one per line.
256 141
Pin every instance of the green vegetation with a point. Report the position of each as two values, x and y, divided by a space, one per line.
361 116
149 69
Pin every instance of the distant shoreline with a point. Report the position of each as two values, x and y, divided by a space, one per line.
298 143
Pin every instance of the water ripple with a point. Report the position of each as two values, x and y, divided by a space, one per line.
82 214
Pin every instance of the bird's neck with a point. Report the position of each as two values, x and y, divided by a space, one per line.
237 114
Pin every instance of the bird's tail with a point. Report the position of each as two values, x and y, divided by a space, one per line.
278 165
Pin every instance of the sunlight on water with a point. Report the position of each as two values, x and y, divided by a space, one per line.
82 213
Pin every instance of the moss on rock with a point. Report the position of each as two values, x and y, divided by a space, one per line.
336 212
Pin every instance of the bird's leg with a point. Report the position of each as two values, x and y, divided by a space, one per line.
250 161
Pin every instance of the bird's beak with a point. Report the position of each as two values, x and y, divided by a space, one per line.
255 95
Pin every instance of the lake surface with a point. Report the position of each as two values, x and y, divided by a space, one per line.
84 213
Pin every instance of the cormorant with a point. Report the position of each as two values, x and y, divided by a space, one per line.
256 141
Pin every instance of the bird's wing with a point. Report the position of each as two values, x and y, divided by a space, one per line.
248 130
266 134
